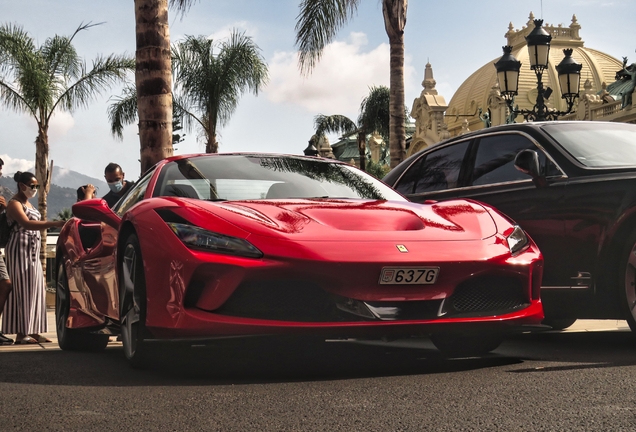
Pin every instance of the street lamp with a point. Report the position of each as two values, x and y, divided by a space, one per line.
311 150
538 49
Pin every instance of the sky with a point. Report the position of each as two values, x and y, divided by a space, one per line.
456 36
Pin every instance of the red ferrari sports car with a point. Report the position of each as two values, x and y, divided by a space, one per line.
215 246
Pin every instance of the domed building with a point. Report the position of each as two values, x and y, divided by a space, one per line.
478 103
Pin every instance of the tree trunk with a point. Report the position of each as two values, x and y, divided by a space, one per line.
212 146
153 78
394 21
42 174
362 148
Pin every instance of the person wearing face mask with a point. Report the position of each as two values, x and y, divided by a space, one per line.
118 186
25 311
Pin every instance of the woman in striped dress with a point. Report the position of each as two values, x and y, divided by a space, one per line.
25 310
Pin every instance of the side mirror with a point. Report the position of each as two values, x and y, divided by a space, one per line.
96 210
527 161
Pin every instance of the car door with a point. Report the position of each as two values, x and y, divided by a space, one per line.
595 204
487 173
98 266
538 209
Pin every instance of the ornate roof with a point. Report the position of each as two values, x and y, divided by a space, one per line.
473 94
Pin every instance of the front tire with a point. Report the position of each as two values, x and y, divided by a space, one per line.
627 281
132 304
72 339
459 345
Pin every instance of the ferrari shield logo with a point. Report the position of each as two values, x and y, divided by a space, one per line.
402 248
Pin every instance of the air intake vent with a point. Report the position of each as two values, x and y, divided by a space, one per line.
489 295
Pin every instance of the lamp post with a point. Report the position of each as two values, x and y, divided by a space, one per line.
311 150
539 49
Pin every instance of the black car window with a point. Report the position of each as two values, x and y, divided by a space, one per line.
495 156
133 196
438 170
410 176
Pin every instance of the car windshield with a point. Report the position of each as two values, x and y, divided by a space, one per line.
249 177
596 144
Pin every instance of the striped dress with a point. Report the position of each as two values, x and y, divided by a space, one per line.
25 310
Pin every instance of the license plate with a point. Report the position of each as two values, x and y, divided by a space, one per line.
408 275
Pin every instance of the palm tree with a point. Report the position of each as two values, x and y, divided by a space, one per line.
153 78
319 21
50 78
209 85
374 117
64 214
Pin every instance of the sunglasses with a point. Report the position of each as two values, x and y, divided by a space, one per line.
33 186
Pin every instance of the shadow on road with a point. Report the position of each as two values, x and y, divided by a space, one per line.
582 350
274 360
227 363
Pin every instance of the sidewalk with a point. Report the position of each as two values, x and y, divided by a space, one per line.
51 334
598 325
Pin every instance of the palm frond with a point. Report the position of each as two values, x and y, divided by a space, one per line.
182 6
105 72
14 100
334 124
317 24
374 112
182 111
123 111
22 69
16 48
61 56
211 77
242 69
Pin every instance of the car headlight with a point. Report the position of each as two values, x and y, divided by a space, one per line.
199 238
517 240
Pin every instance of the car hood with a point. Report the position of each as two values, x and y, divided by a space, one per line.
337 220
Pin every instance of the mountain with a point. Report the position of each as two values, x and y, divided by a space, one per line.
72 179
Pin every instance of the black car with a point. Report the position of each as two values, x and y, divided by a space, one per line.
570 185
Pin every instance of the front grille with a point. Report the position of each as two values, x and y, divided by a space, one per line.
489 295
305 301
285 300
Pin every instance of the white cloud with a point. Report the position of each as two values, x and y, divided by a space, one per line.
241 26
61 123
225 32
61 172
340 80
11 165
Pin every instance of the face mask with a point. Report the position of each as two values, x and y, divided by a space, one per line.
30 193
116 187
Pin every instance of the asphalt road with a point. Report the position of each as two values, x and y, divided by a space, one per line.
578 381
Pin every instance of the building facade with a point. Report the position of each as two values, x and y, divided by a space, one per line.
606 93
